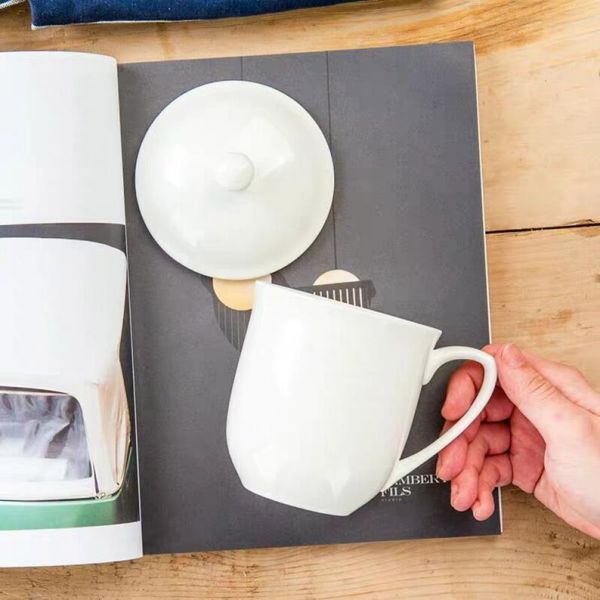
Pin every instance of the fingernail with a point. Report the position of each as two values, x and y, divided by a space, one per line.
512 356
477 510
455 492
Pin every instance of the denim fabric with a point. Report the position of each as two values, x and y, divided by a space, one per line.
61 12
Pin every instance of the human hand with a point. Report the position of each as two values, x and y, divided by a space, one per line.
540 431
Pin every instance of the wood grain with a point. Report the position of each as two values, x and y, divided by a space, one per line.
545 294
539 63
539 88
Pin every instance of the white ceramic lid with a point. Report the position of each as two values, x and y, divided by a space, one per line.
234 180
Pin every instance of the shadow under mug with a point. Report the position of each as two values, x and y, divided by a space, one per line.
324 398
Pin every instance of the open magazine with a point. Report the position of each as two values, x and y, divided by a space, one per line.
92 448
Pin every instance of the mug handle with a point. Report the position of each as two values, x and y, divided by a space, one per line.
436 359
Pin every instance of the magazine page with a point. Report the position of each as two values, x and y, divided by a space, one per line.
68 462
404 237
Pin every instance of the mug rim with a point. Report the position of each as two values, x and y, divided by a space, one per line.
369 312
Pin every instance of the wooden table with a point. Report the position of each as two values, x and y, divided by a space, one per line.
539 87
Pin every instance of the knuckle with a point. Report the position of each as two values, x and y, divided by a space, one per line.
540 387
574 374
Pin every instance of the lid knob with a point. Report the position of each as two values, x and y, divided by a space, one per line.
235 171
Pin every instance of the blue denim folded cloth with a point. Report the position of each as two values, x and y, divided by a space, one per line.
62 12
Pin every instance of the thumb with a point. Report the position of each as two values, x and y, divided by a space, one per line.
547 408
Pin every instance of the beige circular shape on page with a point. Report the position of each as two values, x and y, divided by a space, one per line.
237 294
335 276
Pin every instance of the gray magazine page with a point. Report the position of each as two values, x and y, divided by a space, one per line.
406 221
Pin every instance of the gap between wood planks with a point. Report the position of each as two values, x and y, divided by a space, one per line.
581 225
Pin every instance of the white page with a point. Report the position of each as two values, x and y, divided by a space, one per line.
60 144
62 304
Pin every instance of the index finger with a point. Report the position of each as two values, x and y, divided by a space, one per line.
463 386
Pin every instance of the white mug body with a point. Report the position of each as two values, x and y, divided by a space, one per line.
323 399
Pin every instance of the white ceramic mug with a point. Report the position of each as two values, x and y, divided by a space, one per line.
324 398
